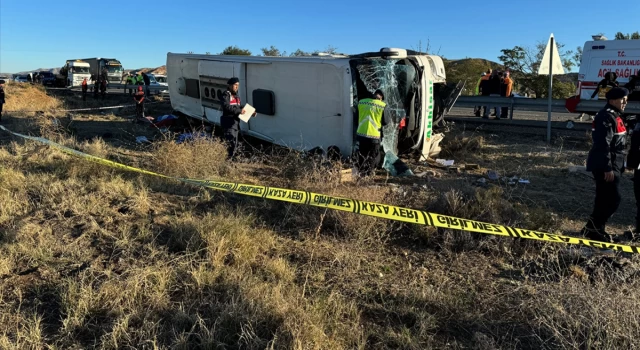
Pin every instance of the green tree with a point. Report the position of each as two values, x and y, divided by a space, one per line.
632 36
236 51
469 70
299 53
523 62
272 51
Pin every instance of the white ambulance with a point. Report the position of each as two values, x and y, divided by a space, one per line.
621 57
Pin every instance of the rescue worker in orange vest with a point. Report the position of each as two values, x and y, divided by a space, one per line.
372 116
506 90
139 98
85 87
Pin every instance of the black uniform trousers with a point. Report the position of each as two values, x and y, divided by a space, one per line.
607 200
368 155
140 110
231 129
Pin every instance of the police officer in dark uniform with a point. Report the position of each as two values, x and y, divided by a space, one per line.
634 87
230 120
606 162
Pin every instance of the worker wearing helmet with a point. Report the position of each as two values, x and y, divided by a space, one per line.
372 116
138 97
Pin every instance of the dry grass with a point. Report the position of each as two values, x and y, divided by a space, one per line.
24 97
94 257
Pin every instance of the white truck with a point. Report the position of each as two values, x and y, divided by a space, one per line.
112 66
73 73
621 57
308 102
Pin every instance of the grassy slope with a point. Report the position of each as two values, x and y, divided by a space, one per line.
93 256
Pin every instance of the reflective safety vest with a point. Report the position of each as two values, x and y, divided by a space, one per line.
139 79
370 117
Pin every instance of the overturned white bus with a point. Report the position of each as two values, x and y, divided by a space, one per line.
309 102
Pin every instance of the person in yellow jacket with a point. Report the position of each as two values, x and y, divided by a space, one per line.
479 86
372 116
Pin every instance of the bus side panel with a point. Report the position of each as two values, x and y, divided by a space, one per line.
213 76
308 104
181 72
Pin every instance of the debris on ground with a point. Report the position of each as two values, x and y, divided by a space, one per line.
395 166
142 139
445 162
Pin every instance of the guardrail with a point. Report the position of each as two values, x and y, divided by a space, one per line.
153 89
533 104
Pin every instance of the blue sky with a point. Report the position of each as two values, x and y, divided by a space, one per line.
44 33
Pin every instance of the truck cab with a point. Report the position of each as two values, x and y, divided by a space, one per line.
75 72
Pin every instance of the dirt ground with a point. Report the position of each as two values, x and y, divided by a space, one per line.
94 257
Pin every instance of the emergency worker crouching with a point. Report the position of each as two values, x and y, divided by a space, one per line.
606 161
230 120
372 116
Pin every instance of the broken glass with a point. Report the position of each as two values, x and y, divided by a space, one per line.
395 80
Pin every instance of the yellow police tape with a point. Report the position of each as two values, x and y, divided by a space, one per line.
353 205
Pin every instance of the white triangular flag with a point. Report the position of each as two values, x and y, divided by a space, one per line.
557 63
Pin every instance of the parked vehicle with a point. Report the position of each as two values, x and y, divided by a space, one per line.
621 57
21 79
99 66
153 79
47 78
73 73
308 102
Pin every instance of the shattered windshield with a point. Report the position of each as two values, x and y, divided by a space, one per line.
397 80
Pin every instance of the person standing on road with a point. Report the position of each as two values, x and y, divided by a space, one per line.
131 80
103 88
138 97
506 90
139 79
230 120
147 82
85 87
2 97
484 88
606 161
494 89
372 116
478 109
